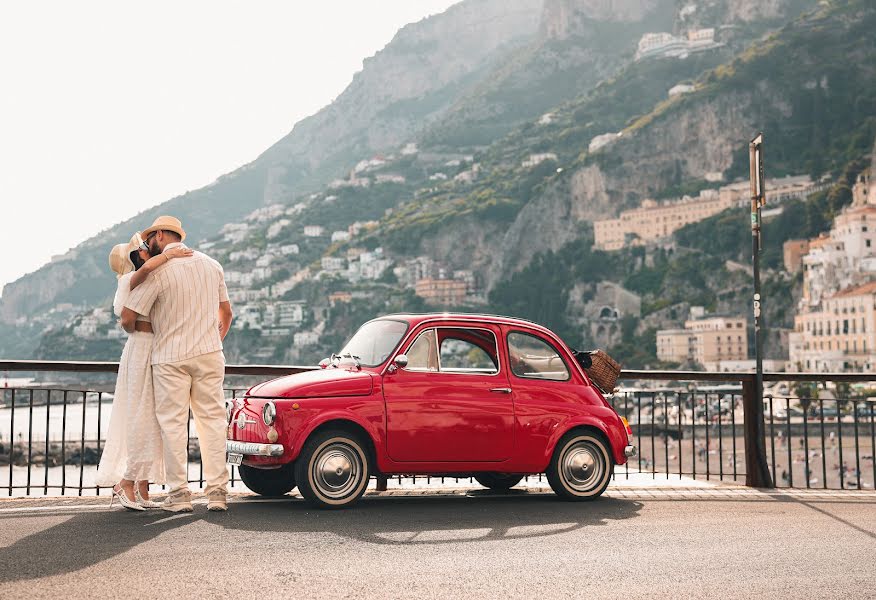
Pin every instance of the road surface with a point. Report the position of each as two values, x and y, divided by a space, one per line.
726 542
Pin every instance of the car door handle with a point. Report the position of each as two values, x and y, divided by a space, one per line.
501 390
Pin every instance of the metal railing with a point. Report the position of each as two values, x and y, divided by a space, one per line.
51 436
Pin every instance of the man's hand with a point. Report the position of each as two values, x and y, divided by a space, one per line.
225 317
129 317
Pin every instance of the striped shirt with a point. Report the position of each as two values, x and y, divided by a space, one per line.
182 300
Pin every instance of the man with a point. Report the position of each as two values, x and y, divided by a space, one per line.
187 302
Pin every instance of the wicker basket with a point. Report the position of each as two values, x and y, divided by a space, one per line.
602 369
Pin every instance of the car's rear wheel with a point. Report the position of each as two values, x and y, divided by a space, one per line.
268 482
332 470
581 466
498 481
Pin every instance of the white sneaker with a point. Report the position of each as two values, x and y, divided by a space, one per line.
178 502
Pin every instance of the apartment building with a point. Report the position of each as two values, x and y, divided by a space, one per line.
839 337
707 341
447 292
653 220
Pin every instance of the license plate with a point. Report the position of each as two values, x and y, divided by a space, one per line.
234 458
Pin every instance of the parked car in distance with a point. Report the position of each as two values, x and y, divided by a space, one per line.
490 397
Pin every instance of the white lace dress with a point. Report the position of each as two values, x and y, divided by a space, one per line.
133 448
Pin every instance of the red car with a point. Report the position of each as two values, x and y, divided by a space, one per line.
439 394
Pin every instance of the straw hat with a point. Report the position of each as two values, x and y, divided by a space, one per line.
120 256
165 223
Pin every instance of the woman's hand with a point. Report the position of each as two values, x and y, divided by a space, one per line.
178 252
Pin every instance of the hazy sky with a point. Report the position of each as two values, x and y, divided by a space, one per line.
107 108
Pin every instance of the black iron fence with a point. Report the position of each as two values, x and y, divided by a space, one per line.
692 424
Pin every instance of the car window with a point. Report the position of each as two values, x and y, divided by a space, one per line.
423 353
533 358
468 351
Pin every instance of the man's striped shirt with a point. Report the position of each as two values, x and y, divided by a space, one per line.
182 300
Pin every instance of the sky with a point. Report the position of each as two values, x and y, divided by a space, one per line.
108 108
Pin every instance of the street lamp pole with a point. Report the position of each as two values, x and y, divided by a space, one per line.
757 473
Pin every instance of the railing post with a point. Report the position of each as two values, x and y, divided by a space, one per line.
757 474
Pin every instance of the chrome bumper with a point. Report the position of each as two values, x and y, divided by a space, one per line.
630 451
252 448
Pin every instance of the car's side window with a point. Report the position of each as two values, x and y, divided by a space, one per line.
533 358
423 353
471 351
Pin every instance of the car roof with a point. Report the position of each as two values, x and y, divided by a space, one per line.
415 319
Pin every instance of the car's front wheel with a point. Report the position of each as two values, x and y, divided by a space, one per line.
581 466
498 481
332 470
268 482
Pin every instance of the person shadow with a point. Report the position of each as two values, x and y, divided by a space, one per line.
84 540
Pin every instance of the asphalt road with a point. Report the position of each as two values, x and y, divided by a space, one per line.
632 544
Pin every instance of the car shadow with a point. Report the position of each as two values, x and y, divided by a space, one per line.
84 540
411 520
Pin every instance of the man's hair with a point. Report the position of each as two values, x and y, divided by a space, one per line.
172 234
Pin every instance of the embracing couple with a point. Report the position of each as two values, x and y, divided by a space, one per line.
174 305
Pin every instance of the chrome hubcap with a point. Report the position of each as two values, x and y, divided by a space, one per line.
337 470
583 467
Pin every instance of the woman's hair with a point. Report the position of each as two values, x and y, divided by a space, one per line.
135 258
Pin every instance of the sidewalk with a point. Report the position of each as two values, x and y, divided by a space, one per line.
636 486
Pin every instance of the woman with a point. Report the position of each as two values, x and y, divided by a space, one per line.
133 454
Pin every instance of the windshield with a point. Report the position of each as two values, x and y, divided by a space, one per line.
375 341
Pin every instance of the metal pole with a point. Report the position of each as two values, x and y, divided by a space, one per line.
756 473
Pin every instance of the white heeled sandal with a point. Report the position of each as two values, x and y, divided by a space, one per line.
122 497
143 501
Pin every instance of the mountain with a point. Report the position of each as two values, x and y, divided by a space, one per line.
421 72
510 214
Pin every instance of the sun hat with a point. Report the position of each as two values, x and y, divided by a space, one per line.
165 223
120 256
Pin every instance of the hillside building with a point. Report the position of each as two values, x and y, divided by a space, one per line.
535 159
839 337
446 292
834 326
793 252
707 341
653 221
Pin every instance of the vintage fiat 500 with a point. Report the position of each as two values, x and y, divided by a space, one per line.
440 394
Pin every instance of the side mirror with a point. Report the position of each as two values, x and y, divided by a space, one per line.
399 362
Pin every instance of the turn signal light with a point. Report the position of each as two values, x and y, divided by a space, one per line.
627 427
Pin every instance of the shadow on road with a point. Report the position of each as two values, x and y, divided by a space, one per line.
88 539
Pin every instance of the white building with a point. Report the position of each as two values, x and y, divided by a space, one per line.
332 263
305 338
469 175
535 159
248 315
313 231
242 255
389 178
276 228
340 236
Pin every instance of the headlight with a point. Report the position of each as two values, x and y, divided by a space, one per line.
269 413
229 408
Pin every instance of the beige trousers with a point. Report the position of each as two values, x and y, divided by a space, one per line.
196 383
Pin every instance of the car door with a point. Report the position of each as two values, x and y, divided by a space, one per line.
546 389
452 402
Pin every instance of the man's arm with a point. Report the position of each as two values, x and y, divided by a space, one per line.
139 303
225 316
128 318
